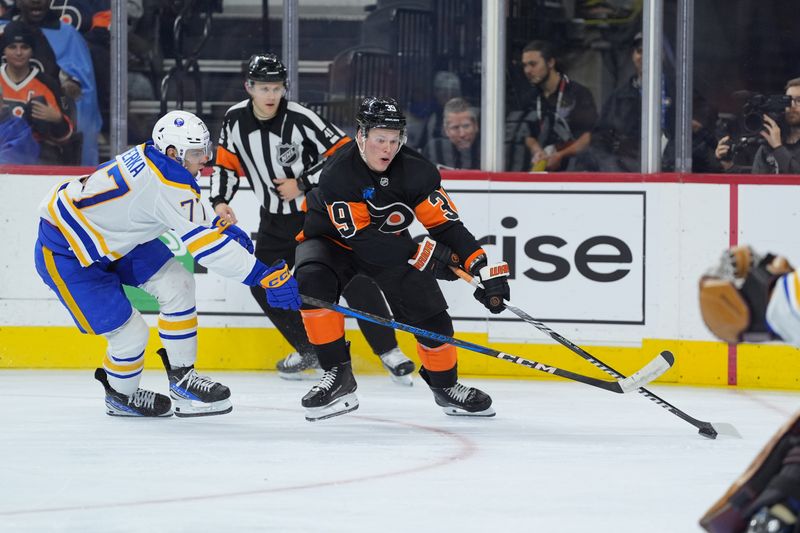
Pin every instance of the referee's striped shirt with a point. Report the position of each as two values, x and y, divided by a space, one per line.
286 146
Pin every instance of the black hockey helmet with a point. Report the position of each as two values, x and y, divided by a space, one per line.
380 112
266 67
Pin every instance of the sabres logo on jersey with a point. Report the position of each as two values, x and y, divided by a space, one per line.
391 218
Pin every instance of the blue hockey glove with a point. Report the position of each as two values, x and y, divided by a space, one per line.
234 232
280 285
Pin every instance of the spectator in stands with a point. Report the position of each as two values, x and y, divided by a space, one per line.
780 151
563 114
32 94
17 145
73 58
461 147
616 139
446 85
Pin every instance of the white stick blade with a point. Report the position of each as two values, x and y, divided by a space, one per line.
649 372
728 430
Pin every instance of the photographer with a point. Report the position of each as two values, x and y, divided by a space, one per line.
779 152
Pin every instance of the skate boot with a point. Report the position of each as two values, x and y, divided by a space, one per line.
399 366
299 367
334 394
193 394
141 403
460 400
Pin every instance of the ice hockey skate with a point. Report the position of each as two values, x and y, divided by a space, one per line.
334 394
193 394
400 367
460 400
299 367
141 403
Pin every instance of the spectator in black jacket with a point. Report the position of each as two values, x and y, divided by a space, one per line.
461 148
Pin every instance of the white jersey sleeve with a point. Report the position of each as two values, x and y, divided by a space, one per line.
134 199
783 310
185 213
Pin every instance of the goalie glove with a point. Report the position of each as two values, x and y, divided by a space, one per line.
435 258
494 279
280 285
234 232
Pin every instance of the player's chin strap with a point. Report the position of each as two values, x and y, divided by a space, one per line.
362 145
706 429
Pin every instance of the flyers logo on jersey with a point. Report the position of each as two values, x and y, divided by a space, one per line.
391 218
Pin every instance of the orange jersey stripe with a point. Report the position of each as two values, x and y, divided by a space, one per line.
227 159
436 209
322 325
344 140
344 215
477 253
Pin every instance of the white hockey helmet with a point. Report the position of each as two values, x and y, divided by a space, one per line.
186 133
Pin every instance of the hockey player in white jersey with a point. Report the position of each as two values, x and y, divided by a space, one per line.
99 232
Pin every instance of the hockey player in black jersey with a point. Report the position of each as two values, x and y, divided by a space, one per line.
279 146
369 193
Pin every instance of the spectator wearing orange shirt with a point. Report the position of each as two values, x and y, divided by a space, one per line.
31 94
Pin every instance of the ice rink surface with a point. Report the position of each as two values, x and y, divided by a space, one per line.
558 457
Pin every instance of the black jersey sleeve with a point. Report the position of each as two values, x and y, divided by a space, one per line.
437 212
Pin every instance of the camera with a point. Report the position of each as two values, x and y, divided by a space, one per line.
745 133
758 105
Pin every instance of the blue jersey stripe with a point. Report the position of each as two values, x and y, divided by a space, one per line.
128 360
181 313
84 237
177 337
212 250
192 233
126 376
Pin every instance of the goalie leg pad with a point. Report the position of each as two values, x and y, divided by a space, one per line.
732 511
723 308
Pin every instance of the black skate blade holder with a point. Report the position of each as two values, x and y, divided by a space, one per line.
705 429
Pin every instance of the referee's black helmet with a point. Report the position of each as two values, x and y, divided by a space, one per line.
266 67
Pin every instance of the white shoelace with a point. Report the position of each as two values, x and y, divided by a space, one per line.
144 398
194 380
327 379
458 392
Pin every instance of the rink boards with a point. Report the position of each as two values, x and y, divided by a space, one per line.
610 261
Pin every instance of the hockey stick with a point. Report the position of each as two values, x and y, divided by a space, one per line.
649 372
706 429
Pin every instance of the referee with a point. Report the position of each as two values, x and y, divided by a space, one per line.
279 147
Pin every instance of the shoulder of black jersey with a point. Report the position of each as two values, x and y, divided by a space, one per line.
419 166
169 171
340 174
